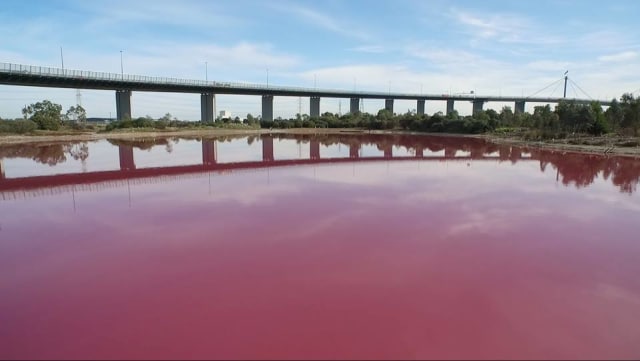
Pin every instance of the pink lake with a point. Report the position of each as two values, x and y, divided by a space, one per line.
322 247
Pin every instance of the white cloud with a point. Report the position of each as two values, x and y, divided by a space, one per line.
184 13
548 65
322 20
503 27
373 49
619 57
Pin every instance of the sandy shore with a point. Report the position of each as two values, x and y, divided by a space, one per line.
608 147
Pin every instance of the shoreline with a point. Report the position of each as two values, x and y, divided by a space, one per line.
631 151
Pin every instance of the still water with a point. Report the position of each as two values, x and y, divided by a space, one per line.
342 246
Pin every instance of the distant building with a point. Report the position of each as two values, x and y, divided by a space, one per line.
225 114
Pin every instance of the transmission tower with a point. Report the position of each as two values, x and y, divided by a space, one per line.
78 98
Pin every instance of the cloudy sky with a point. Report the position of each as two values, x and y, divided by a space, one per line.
490 47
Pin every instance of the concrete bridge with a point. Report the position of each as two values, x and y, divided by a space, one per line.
123 85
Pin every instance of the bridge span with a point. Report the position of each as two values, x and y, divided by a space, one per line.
124 85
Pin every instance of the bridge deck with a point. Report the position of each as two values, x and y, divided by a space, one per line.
29 75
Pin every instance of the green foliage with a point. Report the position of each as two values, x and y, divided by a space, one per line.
76 114
45 114
18 126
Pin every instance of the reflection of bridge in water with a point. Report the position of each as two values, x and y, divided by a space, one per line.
580 169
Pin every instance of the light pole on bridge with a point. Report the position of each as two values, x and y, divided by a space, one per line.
206 71
121 67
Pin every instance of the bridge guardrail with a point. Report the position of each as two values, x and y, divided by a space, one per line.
127 78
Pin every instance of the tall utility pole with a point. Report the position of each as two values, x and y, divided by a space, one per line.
62 60
121 68
565 83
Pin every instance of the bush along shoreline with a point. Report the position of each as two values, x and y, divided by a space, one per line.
567 119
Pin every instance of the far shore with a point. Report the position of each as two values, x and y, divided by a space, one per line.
604 145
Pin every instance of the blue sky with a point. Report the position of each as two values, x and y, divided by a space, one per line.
491 47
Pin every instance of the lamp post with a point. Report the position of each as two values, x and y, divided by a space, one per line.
121 67
267 77
206 71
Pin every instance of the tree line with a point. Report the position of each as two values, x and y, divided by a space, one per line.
566 118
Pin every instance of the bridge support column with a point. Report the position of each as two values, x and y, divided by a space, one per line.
450 152
314 149
388 105
315 107
519 108
126 157
477 105
207 108
209 152
267 108
123 104
388 152
267 149
420 108
419 153
2 176
450 106
354 151
354 105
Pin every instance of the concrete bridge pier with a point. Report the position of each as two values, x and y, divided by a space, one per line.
314 149
315 107
267 108
388 105
519 108
2 176
123 104
450 106
419 153
126 157
478 105
388 151
354 151
207 107
450 152
209 152
420 108
354 105
267 149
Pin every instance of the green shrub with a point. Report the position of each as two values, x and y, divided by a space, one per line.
17 126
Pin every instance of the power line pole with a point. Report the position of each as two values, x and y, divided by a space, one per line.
121 67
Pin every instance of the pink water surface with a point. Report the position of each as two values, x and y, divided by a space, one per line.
386 259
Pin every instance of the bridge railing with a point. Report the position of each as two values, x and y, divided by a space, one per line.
127 78
93 75
142 79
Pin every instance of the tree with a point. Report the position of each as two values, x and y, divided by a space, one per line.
166 118
45 114
76 114
614 115
507 117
